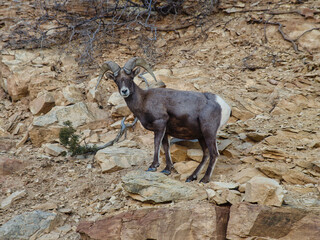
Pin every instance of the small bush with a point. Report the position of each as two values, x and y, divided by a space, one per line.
71 141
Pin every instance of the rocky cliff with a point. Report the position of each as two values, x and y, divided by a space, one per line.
262 57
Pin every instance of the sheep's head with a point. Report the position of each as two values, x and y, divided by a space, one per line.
123 77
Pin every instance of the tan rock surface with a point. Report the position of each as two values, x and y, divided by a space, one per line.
159 223
282 223
265 191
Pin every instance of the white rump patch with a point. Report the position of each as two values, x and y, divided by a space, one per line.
226 110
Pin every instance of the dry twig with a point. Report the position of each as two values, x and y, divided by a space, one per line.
123 130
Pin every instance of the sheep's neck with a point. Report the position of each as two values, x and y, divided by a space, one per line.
134 101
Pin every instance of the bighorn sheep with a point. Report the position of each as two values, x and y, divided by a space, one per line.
180 114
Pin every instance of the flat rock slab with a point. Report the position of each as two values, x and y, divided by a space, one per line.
28 225
114 158
14 196
264 191
159 188
78 114
252 221
201 221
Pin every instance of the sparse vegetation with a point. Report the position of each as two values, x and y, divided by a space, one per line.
71 141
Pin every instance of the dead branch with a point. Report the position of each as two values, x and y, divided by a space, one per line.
123 130
267 11
97 23
284 36
168 28
252 21
310 30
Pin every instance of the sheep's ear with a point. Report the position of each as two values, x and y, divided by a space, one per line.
110 75
136 71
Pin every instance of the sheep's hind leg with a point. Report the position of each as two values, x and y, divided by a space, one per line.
166 147
209 122
213 152
194 175
158 136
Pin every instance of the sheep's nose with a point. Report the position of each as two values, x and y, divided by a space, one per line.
124 91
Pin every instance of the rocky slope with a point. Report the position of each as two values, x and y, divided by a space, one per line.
266 183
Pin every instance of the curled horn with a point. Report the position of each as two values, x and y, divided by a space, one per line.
138 62
106 66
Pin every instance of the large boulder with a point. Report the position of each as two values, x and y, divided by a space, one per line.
265 191
42 104
28 225
201 221
159 188
114 158
252 221
46 128
17 85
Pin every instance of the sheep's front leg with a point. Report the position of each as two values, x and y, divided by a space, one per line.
158 136
166 147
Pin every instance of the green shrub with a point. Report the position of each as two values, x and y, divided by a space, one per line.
71 141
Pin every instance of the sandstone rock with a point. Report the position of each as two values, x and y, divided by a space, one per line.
295 176
158 188
120 106
39 135
249 221
223 144
210 194
223 185
264 191
116 99
242 114
14 196
93 95
42 104
113 158
46 128
121 110
316 165
45 206
283 171
54 149
10 165
127 143
195 154
28 225
94 138
246 174
185 168
178 153
100 115
162 75
116 125
223 196
229 153
78 114
17 85
201 221
234 197
273 170
257 136
73 94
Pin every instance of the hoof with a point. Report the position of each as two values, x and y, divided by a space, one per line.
166 172
191 178
204 180
151 169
